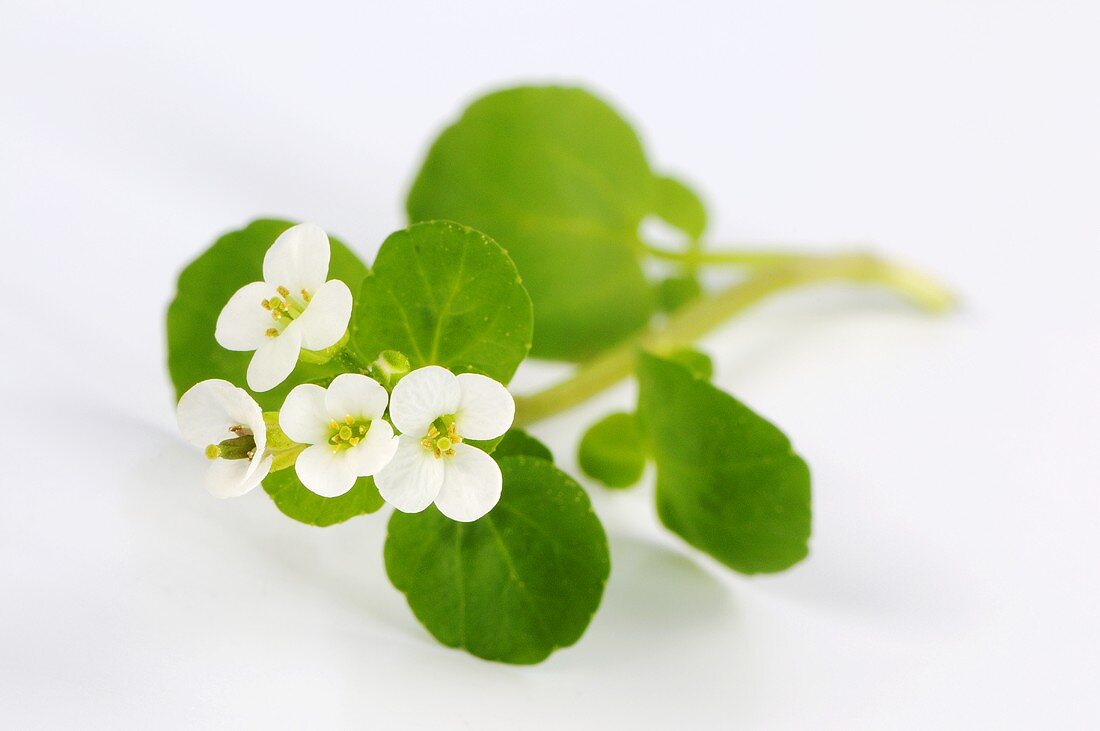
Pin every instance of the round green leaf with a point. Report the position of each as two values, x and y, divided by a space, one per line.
728 481
515 585
296 501
613 451
675 292
560 180
447 295
206 285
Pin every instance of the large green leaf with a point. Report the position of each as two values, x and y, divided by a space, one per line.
296 501
728 481
515 585
206 285
447 295
560 180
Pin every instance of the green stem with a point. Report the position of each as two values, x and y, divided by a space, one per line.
348 359
694 257
697 318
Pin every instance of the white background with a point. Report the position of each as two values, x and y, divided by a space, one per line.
953 574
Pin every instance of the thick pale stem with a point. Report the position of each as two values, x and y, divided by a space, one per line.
696 257
685 326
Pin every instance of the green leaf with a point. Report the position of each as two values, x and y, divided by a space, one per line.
206 285
728 481
560 180
613 450
514 585
489 446
517 442
675 292
680 206
296 501
447 295
700 364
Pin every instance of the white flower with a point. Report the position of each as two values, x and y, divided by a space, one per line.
293 308
228 425
435 411
344 425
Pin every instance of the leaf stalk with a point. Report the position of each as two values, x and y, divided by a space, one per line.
777 273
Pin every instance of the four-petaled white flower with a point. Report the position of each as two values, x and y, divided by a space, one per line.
228 425
293 308
345 428
435 411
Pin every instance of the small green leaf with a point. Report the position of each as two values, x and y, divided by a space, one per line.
680 206
515 585
206 285
489 446
700 364
728 481
296 501
560 180
675 292
517 442
613 450
447 295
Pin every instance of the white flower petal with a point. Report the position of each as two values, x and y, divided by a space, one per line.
357 396
303 417
298 259
375 451
234 477
421 397
274 361
486 409
209 408
243 322
471 484
326 317
324 471
411 480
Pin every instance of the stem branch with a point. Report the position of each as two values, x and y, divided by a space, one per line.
697 318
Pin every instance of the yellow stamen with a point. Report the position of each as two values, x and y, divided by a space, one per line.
266 304
305 295
348 420
353 441
283 291
271 332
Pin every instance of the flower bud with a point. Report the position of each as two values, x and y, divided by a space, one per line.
389 367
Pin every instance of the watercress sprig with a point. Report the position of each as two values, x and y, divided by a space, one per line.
388 384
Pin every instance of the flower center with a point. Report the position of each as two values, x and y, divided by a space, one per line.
284 308
441 437
347 433
242 446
